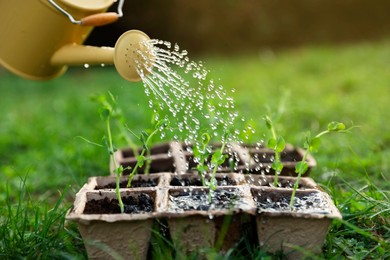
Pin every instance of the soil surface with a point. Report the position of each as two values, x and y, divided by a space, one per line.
228 165
134 184
286 156
187 181
132 204
282 183
310 203
199 200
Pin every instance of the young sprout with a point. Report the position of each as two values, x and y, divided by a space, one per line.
145 139
217 159
107 112
312 144
277 144
201 153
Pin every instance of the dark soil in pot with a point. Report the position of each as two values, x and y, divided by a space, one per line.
134 184
158 163
187 181
268 181
142 203
313 202
228 165
267 156
156 149
284 184
185 200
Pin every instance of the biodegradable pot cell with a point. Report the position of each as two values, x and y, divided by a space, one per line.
178 158
241 203
261 159
304 226
138 181
193 179
284 182
109 235
160 160
196 224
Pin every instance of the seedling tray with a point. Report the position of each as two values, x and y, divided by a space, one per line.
196 227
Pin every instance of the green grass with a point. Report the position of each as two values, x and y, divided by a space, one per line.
43 162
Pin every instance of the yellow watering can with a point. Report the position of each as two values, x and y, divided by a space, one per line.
40 38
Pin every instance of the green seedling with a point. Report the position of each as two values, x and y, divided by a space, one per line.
144 156
110 111
203 153
217 159
312 144
277 144
107 111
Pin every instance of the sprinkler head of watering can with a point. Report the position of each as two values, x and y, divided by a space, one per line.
133 55
62 43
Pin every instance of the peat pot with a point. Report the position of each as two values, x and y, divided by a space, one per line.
173 198
293 230
240 204
107 234
178 158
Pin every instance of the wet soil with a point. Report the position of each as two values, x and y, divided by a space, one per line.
134 184
187 181
286 156
311 203
270 183
198 200
132 204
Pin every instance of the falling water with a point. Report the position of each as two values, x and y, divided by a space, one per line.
195 103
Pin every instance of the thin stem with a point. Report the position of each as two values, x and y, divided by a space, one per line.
117 171
212 180
216 166
277 158
296 184
139 161
134 171
148 162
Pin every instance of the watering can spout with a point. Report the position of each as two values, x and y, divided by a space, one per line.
131 51
42 46
74 55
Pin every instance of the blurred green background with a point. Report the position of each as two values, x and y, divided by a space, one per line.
226 26
319 60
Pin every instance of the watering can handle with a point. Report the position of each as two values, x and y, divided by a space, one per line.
92 20
99 19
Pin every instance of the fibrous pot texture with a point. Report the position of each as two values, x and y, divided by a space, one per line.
176 157
198 217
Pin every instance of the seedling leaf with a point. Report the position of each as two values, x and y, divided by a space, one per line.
119 170
271 143
105 113
268 122
205 138
277 166
301 167
315 144
218 158
280 144
141 160
335 126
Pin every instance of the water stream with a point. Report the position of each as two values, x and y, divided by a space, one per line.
182 89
